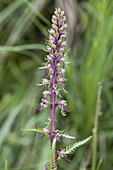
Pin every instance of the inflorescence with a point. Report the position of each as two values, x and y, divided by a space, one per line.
56 60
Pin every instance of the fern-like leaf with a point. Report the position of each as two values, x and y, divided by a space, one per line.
65 135
71 148
36 130
52 159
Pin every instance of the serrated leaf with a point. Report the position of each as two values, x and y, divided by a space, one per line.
65 135
52 159
36 130
71 148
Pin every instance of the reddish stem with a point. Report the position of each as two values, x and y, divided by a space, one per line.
53 108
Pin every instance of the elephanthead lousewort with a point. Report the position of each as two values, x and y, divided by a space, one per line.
52 85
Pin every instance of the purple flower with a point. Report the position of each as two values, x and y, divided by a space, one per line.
62 154
46 131
58 135
63 103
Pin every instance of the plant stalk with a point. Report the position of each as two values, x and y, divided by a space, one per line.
95 138
53 109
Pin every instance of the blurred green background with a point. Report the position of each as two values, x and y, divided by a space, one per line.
24 27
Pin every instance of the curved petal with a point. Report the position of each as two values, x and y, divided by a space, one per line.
45 71
66 109
41 88
62 151
42 136
48 74
39 109
59 139
64 87
46 130
66 158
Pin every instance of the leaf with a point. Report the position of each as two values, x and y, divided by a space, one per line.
52 159
65 135
71 148
36 130
19 48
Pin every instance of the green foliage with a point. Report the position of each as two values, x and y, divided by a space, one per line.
6 165
52 155
35 130
71 148
65 135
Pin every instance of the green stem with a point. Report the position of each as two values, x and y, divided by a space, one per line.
96 128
